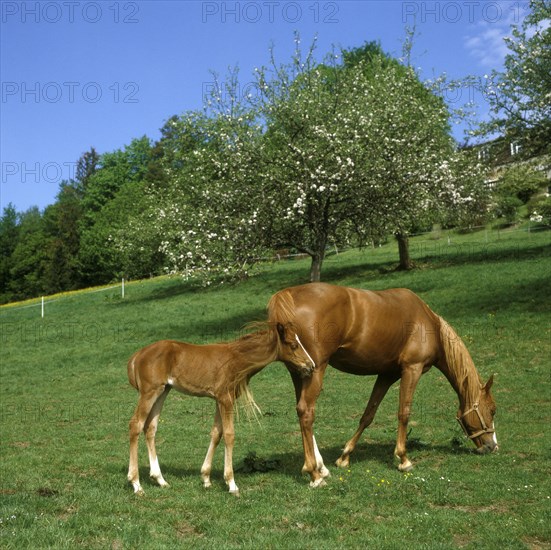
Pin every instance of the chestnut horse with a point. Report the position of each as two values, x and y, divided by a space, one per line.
392 334
220 371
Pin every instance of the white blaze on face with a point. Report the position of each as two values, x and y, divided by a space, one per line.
304 350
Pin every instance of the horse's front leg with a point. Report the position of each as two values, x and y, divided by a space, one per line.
310 390
410 377
226 413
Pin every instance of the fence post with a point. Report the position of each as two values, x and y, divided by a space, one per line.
122 288
42 308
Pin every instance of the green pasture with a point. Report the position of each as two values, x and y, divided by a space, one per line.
65 404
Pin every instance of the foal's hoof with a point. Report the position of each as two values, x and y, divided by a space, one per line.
235 493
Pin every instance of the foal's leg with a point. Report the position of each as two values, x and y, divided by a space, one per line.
215 436
146 402
382 384
410 376
226 412
150 430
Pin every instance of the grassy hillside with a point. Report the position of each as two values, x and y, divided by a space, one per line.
65 405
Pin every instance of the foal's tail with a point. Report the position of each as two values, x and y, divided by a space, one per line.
131 369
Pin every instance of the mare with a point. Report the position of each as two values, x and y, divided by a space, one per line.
220 371
392 334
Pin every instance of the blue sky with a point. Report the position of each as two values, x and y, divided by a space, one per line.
81 74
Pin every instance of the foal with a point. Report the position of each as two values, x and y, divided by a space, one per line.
220 371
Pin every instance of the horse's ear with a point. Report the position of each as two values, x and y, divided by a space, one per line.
489 383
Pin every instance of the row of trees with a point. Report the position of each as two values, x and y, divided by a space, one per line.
344 152
65 246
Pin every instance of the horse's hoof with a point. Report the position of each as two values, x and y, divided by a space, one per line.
235 493
406 467
342 462
320 482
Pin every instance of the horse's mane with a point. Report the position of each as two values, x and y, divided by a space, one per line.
460 364
281 308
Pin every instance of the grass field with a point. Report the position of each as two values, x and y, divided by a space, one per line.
65 405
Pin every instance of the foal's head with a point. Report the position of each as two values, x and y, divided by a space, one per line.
292 351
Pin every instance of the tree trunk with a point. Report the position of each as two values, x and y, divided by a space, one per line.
315 267
403 249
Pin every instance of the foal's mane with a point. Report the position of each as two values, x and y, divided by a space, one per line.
258 344
252 352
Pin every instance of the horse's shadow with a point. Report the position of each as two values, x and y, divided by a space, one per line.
289 464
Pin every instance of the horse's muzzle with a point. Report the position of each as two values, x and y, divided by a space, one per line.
488 448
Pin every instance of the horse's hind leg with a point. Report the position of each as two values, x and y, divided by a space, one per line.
382 384
146 402
150 430
215 436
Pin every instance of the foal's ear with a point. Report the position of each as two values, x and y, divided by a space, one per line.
489 384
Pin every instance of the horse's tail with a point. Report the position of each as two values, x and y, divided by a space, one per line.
131 369
456 354
281 308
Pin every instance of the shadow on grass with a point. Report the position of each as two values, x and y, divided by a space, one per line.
443 255
531 296
289 464
382 453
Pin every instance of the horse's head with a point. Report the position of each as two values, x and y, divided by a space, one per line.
292 351
477 420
